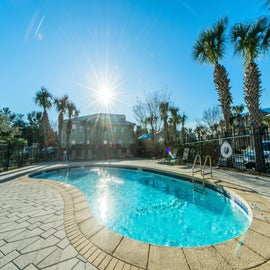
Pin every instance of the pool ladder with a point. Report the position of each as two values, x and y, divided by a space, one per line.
199 186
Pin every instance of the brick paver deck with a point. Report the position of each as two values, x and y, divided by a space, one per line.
32 230
48 225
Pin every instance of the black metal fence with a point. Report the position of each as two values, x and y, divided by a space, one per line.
14 154
235 151
11 154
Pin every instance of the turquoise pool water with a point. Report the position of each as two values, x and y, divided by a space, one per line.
154 208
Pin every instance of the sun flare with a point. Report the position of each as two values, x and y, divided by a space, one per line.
105 96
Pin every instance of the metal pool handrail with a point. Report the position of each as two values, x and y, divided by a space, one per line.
208 157
199 185
196 159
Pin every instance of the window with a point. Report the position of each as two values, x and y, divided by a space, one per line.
114 129
122 129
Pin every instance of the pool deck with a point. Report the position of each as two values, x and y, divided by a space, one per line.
48 225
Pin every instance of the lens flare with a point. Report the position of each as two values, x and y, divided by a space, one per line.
105 96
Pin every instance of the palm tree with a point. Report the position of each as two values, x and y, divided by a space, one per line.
163 108
44 99
151 120
209 48
237 111
200 130
251 40
174 121
61 107
72 112
85 125
183 119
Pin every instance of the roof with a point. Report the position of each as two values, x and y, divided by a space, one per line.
264 111
114 119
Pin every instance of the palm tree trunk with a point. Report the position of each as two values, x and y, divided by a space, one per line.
252 98
60 127
45 128
222 84
69 125
252 94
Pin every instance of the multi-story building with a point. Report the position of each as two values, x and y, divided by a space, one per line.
99 129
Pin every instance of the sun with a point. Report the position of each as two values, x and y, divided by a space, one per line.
105 96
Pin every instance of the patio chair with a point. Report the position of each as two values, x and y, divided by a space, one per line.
185 154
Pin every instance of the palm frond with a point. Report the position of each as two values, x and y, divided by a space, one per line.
249 39
266 4
266 40
210 46
238 38
201 49
219 31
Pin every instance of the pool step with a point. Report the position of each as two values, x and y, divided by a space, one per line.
199 189
198 186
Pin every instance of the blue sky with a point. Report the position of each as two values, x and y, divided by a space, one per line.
132 47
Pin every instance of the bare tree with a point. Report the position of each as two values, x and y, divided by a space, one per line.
146 111
211 118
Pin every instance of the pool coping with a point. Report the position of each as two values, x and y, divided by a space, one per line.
105 249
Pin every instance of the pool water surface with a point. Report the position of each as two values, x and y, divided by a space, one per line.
156 209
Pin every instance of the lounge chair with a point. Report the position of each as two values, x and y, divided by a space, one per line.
185 154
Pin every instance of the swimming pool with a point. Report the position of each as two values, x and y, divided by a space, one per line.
155 208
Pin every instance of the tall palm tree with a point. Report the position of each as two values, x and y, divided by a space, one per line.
44 99
251 40
209 48
183 119
61 107
163 108
174 120
72 112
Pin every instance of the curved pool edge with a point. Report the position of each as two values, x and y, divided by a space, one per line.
103 247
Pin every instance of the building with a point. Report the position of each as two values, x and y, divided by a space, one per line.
99 129
243 122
